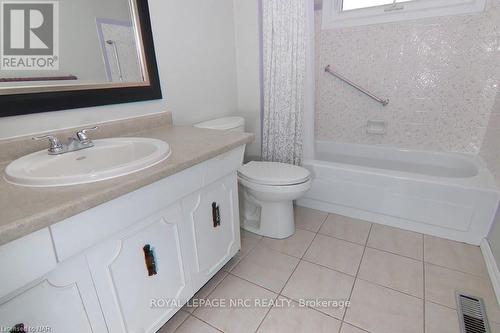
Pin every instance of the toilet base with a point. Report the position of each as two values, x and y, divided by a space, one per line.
267 210
276 220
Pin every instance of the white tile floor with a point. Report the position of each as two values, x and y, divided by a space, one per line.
397 282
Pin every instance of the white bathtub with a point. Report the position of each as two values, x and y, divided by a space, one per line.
443 194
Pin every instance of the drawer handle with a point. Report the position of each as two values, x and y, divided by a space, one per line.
215 215
18 328
149 256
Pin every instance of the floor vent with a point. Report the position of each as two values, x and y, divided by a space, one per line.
472 314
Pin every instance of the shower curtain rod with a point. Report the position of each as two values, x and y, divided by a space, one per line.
382 101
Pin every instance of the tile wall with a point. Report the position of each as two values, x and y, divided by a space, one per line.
441 75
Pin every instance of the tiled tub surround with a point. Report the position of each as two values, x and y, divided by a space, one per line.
440 74
397 281
24 210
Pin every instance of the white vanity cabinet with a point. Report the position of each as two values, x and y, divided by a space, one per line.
129 264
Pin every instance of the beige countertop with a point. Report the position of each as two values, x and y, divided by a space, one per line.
24 210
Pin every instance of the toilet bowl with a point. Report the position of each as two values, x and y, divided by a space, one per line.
266 197
267 189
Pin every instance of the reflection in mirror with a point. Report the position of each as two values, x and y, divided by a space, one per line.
72 45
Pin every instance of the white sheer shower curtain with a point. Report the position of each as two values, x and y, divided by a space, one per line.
287 69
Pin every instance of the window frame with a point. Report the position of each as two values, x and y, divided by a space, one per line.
335 17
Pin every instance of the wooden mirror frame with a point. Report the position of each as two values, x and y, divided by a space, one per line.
27 103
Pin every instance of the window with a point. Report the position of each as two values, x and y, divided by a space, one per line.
358 4
347 13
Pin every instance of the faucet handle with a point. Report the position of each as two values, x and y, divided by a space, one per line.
82 134
55 145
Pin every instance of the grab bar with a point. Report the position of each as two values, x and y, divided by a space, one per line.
382 101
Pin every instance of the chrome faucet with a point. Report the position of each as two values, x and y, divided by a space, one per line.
82 141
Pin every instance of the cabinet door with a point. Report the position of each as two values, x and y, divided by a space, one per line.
215 240
62 301
133 297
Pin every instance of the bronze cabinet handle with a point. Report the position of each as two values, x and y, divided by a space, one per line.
215 215
218 216
18 328
149 257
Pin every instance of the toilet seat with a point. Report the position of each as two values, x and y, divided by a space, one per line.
273 173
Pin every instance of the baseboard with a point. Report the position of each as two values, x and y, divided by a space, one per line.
492 267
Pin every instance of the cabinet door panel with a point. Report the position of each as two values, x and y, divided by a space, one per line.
128 293
23 263
46 305
214 243
62 301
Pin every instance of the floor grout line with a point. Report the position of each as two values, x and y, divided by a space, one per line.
245 255
359 328
394 253
295 268
265 316
255 284
390 288
287 254
356 276
192 314
443 305
182 322
457 271
327 267
342 239
267 313
324 220
210 293
311 308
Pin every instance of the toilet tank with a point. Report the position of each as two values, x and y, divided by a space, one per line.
224 124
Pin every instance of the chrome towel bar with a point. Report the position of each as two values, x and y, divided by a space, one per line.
382 101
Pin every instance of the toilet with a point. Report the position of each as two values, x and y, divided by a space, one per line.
267 189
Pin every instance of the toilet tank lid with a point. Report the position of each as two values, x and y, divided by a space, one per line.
225 123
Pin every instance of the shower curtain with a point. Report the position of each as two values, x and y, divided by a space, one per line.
284 33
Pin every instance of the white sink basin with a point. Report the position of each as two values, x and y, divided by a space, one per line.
109 158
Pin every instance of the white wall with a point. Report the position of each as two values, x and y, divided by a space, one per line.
490 152
247 34
195 48
494 238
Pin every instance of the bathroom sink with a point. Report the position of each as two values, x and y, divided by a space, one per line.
109 158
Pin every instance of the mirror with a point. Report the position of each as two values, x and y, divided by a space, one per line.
75 53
